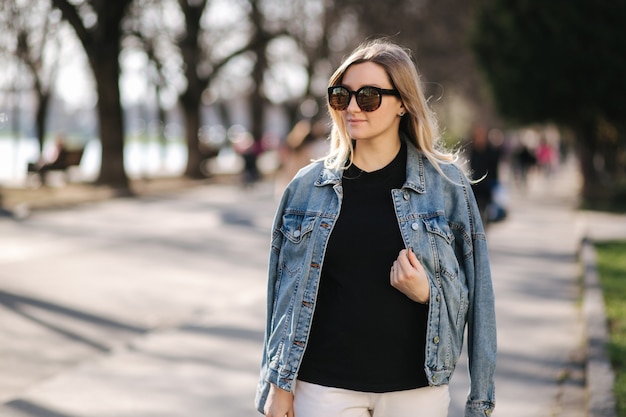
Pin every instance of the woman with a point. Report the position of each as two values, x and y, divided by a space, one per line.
378 261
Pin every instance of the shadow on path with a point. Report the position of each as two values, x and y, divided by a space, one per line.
30 409
16 303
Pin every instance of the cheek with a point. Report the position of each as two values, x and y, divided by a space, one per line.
386 118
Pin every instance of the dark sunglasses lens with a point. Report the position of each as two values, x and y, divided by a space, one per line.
368 98
338 98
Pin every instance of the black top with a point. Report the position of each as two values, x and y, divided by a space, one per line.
366 335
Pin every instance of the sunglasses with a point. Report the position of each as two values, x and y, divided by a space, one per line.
368 98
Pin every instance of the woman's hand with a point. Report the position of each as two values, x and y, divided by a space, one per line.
409 277
279 403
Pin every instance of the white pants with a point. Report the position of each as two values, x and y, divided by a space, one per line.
311 400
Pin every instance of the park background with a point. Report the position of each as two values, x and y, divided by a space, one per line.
185 79
193 89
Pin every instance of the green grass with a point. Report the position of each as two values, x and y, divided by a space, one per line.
611 258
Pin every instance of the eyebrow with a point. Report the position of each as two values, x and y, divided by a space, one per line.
367 85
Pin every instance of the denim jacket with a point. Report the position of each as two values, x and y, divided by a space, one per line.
439 219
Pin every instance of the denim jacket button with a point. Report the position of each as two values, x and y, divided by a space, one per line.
415 226
436 339
296 233
406 196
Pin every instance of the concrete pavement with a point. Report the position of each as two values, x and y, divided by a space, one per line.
150 307
155 307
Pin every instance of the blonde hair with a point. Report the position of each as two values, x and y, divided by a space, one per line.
418 124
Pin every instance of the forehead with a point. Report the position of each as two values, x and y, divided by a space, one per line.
366 73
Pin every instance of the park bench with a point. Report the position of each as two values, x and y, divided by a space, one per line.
66 159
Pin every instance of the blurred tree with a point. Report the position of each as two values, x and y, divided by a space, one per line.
191 97
98 25
148 32
36 43
272 52
437 32
318 22
561 61
204 49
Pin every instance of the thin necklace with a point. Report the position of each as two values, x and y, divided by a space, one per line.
353 167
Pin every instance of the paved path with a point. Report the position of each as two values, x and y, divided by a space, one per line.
155 308
135 308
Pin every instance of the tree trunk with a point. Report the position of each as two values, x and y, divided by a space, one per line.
191 98
161 123
191 110
102 46
40 117
257 109
223 114
106 69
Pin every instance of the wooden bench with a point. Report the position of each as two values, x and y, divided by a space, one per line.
66 159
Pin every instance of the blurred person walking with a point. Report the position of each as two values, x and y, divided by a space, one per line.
378 262
484 160
547 157
522 162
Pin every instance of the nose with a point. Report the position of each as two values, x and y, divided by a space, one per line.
352 104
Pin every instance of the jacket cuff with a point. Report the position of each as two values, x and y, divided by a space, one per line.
479 409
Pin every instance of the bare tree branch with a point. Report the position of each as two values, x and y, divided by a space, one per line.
70 13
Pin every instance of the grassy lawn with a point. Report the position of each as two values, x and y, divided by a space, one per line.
611 258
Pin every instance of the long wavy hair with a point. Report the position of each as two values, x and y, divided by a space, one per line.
418 123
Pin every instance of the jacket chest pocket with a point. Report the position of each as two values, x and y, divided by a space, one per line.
439 226
297 227
441 242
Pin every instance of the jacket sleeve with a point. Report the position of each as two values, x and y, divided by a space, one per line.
481 320
276 242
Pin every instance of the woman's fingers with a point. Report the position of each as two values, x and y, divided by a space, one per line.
408 276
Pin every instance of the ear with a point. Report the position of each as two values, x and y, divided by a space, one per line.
402 111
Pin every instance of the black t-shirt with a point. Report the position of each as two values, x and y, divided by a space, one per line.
366 335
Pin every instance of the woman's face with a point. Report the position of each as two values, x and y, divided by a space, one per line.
381 124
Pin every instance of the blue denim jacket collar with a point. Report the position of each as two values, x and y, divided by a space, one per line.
415 178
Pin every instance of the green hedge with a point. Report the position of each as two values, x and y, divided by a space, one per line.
611 258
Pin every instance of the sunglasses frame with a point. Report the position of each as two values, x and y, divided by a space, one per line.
381 92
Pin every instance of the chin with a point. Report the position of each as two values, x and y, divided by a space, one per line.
356 134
